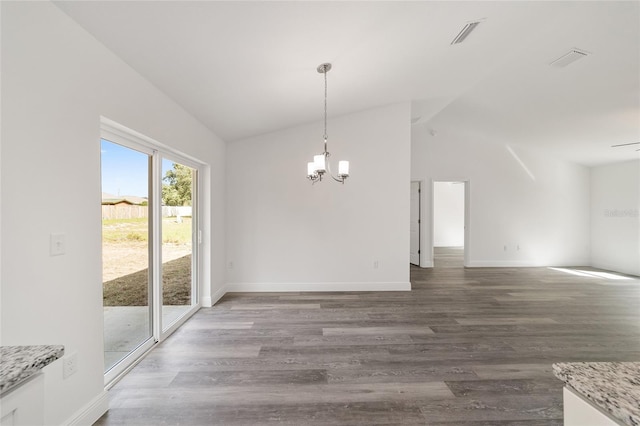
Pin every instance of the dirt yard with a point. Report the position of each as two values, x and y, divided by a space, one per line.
132 289
125 259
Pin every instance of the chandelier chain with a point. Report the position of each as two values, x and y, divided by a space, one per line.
325 104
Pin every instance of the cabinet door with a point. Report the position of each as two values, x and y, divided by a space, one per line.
24 405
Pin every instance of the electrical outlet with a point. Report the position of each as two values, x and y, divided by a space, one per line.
230 265
69 365
376 264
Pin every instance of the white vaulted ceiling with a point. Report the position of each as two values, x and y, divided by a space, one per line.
248 68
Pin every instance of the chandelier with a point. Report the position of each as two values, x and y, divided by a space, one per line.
320 164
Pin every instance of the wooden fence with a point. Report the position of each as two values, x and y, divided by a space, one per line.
124 212
136 212
175 211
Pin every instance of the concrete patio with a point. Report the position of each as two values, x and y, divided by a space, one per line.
127 327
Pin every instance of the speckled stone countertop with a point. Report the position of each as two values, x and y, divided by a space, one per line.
18 363
614 387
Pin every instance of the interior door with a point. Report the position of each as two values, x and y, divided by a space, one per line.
414 229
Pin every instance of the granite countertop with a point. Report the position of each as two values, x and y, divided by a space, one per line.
614 387
18 363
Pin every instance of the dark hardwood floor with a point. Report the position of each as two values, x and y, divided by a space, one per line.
465 347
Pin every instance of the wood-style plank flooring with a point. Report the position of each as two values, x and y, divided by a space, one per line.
465 347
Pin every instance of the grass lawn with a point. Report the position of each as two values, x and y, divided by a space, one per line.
118 230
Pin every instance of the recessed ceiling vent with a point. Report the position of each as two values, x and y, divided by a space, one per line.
465 32
568 58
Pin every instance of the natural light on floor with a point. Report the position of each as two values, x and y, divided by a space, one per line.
592 274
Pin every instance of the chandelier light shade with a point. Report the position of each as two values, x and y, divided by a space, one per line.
320 164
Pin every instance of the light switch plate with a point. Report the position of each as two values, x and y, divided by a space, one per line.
57 244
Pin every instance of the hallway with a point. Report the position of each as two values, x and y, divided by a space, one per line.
448 257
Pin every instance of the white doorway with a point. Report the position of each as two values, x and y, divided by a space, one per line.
414 228
449 234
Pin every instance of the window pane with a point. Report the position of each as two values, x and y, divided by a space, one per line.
125 250
177 240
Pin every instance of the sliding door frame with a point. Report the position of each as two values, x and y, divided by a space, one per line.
195 244
121 135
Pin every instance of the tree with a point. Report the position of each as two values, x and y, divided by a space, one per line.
176 186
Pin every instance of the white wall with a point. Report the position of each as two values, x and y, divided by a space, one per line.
448 214
56 83
286 234
615 221
540 206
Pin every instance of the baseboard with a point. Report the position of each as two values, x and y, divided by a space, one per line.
91 412
615 268
502 264
518 264
218 295
208 302
318 287
428 264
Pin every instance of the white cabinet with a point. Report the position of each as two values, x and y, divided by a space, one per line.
24 404
579 412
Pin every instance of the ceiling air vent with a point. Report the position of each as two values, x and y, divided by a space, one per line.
569 57
465 32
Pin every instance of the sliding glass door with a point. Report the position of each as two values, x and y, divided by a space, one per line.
149 246
179 220
126 247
